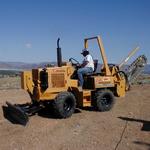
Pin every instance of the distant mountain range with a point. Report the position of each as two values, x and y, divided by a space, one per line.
28 66
147 69
22 65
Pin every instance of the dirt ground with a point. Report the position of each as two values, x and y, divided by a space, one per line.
125 127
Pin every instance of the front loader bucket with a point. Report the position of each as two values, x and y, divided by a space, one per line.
16 114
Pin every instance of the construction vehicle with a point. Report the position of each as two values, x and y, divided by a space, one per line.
58 86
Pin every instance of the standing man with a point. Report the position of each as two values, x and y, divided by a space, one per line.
87 66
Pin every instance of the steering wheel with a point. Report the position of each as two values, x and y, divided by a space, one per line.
74 62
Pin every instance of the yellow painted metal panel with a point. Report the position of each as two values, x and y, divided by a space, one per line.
26 81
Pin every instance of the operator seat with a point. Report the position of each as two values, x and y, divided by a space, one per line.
85 76
95 65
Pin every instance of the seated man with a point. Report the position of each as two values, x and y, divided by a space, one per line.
86 67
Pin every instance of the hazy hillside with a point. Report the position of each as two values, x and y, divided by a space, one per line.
147 69
22 66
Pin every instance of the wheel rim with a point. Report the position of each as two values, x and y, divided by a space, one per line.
106 101
68 105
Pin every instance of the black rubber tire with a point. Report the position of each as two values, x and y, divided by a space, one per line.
64 104
104 100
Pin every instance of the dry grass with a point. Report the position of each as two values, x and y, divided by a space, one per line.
10 83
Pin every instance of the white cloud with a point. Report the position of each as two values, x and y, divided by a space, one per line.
28 45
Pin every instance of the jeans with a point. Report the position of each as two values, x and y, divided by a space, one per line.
83 71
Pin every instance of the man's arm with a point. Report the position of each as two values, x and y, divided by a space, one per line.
85 62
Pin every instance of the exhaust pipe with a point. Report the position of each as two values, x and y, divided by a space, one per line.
59 55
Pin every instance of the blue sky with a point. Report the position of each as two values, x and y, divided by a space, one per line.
29 28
